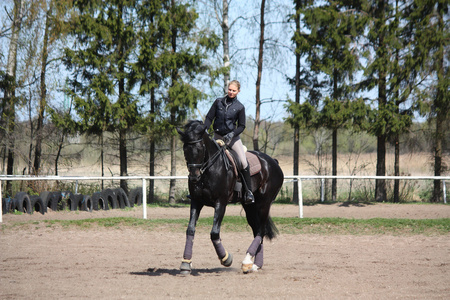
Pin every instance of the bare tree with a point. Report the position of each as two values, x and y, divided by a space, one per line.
259 76
225 43
10 91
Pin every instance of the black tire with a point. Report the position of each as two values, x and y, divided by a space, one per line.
44 196
74 201
23 203
135 197
99 202
86 204
52 200
110 198
37 204
122 198
63 202
4 208
7 205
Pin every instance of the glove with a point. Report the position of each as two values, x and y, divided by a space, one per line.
228 137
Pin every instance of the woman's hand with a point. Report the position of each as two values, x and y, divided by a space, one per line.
228 137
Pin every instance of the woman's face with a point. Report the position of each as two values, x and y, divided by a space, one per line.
233 91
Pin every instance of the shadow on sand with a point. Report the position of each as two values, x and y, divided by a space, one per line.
176 272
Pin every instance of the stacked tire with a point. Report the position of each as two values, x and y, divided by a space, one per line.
135 197
62 200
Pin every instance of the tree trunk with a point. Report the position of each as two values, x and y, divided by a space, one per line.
30 149
122 130
151 186
58 154
442 112
397 169
397 136
43 97
258 79
123 158
380 185
173 139
226 46
437 188
10 92
102 157
334 141
173 168
334 166
295 198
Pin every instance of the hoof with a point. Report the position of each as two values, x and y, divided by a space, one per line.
246 268
227 260
249 268
185 268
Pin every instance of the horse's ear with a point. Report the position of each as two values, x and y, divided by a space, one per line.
180 132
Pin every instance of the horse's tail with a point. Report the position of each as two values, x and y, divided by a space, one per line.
271 230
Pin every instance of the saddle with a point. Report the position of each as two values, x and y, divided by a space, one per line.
253 161
233 160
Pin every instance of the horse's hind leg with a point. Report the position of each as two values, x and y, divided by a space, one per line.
254 251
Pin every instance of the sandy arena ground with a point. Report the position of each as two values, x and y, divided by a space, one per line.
42 262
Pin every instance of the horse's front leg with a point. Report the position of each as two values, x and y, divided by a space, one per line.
186 263
226 259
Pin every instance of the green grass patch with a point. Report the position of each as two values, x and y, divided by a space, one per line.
323 226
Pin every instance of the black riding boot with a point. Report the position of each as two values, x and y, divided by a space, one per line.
248 198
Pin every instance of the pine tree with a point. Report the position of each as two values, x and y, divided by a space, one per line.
429 25
334 28
298 82
100 60
381 72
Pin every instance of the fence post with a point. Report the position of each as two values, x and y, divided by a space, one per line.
144 198
322 190
444 190
300 197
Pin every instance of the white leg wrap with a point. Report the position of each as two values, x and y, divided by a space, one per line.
247 259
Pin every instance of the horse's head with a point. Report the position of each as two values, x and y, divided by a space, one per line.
193 148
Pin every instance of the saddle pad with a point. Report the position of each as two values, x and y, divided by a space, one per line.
253 161
233 163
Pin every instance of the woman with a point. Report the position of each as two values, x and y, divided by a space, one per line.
228 115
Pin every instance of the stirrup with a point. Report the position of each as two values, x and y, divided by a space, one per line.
249 198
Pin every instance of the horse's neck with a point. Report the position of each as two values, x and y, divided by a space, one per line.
211 146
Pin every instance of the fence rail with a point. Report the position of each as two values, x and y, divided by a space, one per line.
296 179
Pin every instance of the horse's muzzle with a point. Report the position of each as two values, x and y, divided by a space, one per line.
195 174
195 178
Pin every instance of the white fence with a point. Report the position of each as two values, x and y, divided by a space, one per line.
297 179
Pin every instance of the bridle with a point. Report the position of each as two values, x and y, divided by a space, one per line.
195 165
206 163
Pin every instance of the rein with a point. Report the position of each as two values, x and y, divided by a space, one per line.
207 164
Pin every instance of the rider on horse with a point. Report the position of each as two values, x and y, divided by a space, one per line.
228 115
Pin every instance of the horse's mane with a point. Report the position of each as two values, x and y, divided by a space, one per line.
191 130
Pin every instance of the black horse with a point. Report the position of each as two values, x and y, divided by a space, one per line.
212 182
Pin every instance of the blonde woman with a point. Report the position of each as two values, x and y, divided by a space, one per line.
228 115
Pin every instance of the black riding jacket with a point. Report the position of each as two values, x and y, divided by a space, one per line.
228 115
